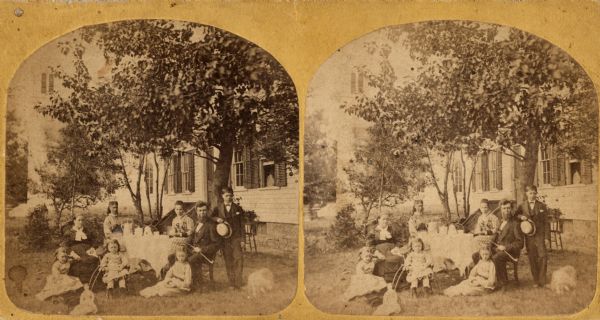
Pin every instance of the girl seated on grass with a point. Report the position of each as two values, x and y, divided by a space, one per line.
114 264
58 282
418 263
481 279
178 279
363 281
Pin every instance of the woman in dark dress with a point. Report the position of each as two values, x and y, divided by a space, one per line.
385 236
79 241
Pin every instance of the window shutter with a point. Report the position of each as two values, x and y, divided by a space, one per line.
561 169
586 172
255 173
485 172
191 173
177 173
44 83
280 174
353 82
553 166
499 170
247 156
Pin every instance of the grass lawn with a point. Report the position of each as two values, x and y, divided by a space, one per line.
327 275
222 301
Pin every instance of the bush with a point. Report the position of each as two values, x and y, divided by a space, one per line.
344 233
37 233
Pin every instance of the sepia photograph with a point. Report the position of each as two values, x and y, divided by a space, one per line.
450 170
152 168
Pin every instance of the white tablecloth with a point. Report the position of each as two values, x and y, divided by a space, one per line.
457 247
154 249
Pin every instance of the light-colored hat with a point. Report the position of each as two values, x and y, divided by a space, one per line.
224 230
527 227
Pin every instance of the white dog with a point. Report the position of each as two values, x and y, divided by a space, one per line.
86 303
563 280
260 281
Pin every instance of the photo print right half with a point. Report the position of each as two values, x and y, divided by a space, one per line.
451 170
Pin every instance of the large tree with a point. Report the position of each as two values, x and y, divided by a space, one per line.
487 83
175 85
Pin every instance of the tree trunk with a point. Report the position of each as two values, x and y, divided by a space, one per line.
525 173
135 196
467 195
454 193
146 184
138 192
442 193
162 188
222 171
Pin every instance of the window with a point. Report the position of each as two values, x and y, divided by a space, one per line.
187 171
495 170
574 172
457 176
268 174
50 83
238 167
44 83
545 164
181 176
249 171
485 173
357 82
148 176
478 176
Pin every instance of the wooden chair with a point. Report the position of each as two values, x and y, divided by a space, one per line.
555 234
515 269
250 236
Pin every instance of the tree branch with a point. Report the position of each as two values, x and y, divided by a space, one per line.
206 156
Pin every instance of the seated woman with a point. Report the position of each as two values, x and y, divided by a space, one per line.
79 244
386 236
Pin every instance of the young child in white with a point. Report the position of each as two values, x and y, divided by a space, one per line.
86 303
482 278
178 279
58 282
419 265
113 264
363 281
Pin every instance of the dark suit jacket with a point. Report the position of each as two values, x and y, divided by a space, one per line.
235 218
511 237
207 239
538 216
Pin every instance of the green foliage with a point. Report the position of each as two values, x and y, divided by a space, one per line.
344 233
16 161
477 84
385 172
36 234
179 84
319 162
75 177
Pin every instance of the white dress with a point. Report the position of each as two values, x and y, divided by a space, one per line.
363 281
482 279
418 266
177 281
58 282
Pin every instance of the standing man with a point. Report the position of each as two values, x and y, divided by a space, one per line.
536 247
227 211
205 242
509 241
